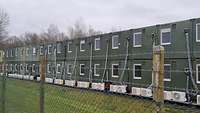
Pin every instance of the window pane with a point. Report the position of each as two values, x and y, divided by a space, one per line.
115 70
115 41
166 37
138 71
82 45
97 44
82 69
58 48
167 72
69 69
138 39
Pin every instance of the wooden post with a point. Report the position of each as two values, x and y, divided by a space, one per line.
158 76
42 80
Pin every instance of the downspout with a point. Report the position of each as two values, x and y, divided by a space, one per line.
90 71
186 31
125 61
106 61
74 66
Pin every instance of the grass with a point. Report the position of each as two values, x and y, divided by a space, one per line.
23 97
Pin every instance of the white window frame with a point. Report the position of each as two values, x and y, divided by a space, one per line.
58 45
27 51
21 67
26 67
11 53
48 68
80 69
34 51
164 31
68 69
68 47
115 76
33 68
197 74
134 37
134 77
16 67
81 43
58 67
41 50
167 80
11 67
197 40
7 53
95 47
16 51
115 36
49 46
95 70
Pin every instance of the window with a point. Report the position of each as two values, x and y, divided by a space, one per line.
198 73
11 67
34 51
165 36
16 51
15 67
115 42
49 49
33 68
137 71
198 32
69 69
58 68
27 51
82 44
69 47
48 68
21 67
97 44
115 70
26 67
167 72
59 48
137 39
96 69
82 69
7 53
11 53
41 50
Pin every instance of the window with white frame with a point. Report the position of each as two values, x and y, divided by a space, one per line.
48 68
58 68
15 67
82 69
33 68
82 45
137 39
97 44
34 51
41 50
58 48
198 73
167 72
11 53
115 42
96 70
165 36
16 51
137 71
21 67
7 53
26 67
69 47
11 67
69 69
198 32
50 49
27 51
115 70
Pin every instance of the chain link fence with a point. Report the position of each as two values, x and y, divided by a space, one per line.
23 96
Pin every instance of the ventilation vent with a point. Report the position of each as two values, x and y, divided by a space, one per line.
81 84
70 83
98 86
58 81
136 91
146 92
118 88
179 96
168 95
48 80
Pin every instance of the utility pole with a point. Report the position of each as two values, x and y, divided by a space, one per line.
42 80
158 76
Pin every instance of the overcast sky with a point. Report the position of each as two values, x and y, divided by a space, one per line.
36 15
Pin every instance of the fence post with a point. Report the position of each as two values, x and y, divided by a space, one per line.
158 76
3 98
42 80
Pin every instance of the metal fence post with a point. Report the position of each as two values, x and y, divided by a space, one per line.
158 76
42 80
3 98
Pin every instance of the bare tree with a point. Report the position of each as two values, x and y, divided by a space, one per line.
4 21
80 30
